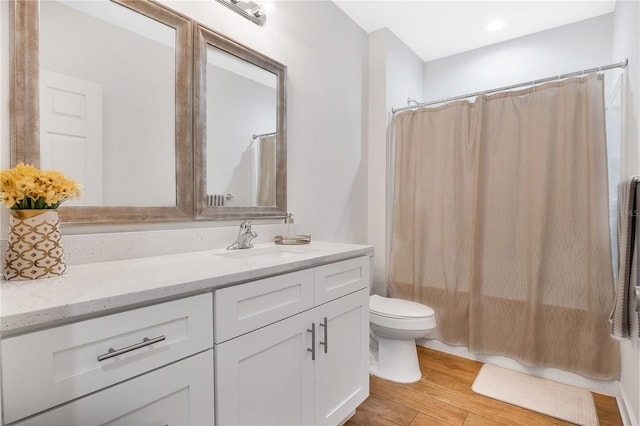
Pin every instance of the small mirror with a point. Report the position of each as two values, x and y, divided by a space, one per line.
240 138
110 103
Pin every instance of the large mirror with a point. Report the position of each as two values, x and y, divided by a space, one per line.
106 91
240 131
102 91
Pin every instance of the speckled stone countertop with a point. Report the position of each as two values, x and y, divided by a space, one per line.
93 289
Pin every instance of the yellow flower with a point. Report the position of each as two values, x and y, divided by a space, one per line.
26 187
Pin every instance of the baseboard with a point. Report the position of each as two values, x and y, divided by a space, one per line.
628 416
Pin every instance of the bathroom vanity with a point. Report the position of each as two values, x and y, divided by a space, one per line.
268 335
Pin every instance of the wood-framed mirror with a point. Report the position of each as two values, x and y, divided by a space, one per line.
240 130
118 71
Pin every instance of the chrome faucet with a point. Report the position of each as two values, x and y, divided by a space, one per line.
245 235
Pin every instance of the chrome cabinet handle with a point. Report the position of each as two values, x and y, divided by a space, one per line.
115 352
326 341
312 330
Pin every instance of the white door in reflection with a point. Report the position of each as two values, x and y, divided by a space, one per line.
71 132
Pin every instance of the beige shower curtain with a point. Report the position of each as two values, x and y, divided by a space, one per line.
266 171
501 224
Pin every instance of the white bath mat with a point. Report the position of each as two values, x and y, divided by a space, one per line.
558 400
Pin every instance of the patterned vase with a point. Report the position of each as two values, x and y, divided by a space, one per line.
34 245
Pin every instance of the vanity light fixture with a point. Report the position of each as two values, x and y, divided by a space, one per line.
252 10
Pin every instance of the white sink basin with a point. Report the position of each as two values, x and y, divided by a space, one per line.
270 253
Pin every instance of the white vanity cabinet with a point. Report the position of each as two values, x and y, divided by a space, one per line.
146 366
256 340
293 349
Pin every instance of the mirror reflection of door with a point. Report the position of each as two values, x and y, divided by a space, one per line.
133 59
71 131
241 124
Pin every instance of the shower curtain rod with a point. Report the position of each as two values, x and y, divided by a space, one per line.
262 134
622 64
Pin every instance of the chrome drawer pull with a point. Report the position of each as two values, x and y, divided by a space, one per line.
326 341
145 342
312 330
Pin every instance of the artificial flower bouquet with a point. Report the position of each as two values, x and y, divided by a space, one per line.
34 242
25 187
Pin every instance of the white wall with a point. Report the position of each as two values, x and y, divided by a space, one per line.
377 159
626 43
569 48
326 116
395 74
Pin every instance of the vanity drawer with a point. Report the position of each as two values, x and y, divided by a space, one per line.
178 394
338 279
246 307
49 367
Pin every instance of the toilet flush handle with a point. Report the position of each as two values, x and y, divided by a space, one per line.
326 342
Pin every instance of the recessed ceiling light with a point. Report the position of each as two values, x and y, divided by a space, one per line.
495 25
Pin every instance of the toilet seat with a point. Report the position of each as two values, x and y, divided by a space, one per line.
398 308
400 314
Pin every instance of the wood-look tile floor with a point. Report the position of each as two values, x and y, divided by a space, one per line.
444 397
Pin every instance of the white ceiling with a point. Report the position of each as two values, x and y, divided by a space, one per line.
435 29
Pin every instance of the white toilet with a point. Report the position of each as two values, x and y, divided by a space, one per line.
394 326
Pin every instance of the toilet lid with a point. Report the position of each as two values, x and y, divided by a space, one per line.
398 308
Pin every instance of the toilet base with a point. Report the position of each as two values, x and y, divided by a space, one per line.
396 361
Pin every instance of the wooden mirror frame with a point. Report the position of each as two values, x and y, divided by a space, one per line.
25 115
204 37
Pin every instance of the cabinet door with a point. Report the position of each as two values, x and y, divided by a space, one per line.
178 394
266 377
342 361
